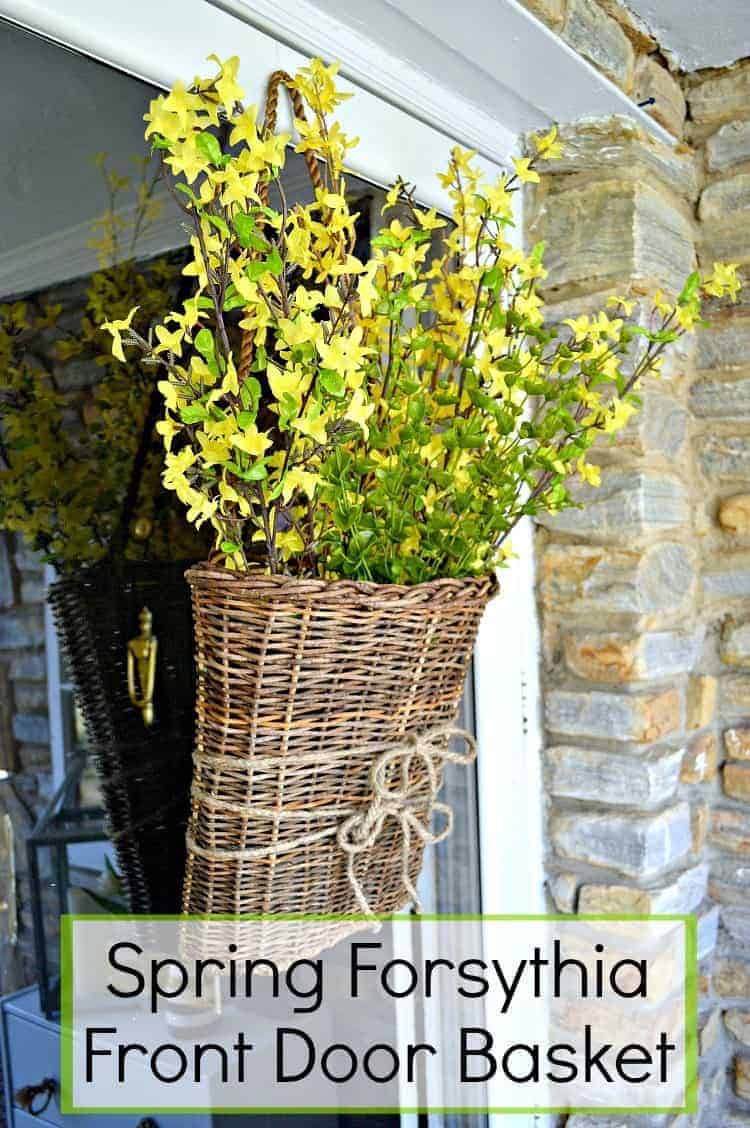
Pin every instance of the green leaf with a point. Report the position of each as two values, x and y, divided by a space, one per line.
187 191
204 342
209 147
229 547
332 381
194 413
233 301
255 473
690 289
256 269
220 224
244 225
274 263
250 395
385 239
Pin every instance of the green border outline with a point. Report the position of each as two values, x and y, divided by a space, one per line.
689 920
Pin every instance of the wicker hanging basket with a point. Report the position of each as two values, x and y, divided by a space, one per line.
144 769
323 711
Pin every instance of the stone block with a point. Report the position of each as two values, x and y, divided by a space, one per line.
628 506
563 888
611 231
721 399
727 576
614 900
21 629
584 579
734 512
659 428
736 922
700 759
708 1030
551 12
736 778
737 1023
31 728
729 882
724 458
729 146
734 646
634 27
616 658
601 40
641 718
6 575
700 702
33 590
722 199
602 143
699 816
719 96
731 1120
734 695
682 895
726 242
707 931
737 743
731 979
634 845
729 829
613 778
28 667
654 81
725 344
30 697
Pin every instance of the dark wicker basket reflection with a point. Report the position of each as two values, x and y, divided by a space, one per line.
145 771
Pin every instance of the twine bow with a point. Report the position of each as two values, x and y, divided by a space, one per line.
410 803
406 804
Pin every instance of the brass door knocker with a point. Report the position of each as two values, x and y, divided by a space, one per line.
142 667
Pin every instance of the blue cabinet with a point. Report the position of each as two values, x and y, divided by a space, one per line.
30 1045
30 1051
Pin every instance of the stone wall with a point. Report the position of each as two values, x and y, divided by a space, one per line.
719 127
644 595
619 44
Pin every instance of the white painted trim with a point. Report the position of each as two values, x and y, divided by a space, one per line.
162 42
509 764
510 738
308 27
527 74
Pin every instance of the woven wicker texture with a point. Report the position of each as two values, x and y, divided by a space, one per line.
145 771
301 684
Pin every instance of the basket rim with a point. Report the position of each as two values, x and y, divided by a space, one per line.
265 587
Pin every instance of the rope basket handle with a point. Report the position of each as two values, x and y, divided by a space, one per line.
278 79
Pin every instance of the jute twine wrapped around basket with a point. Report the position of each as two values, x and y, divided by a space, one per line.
324 714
